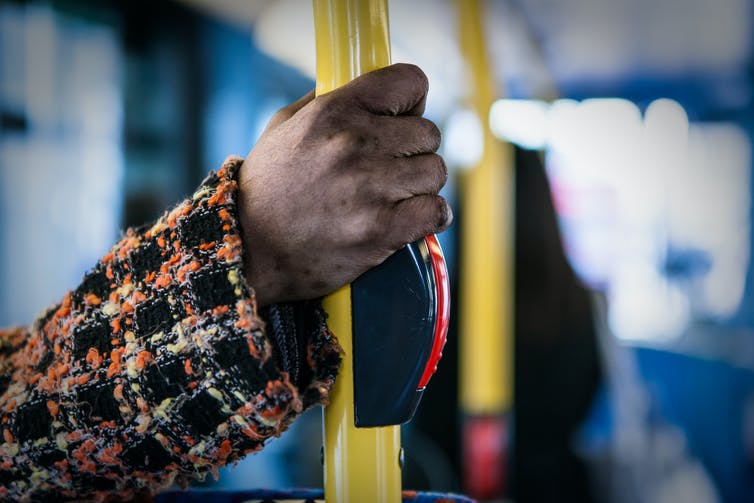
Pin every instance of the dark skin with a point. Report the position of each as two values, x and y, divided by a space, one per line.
338 183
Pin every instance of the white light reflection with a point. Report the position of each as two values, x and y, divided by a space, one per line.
645 306
463 140
712 214
524 122
654 210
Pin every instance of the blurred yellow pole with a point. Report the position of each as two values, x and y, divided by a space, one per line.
486 279
361 464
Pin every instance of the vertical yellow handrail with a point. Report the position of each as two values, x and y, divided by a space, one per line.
486 279
361 464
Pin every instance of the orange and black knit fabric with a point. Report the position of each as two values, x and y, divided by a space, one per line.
158 367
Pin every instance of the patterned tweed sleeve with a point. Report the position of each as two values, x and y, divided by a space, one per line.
157 368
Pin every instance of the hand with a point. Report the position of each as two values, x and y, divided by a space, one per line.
338 183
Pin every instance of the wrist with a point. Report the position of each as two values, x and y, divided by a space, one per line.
256 265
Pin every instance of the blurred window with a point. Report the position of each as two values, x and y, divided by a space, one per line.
61 157
654 210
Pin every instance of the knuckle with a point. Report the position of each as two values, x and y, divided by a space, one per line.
350 142
417 75
342 143
442 214
441 171
375 186
433 135
333 109
366 231
427 215
327 110
372 233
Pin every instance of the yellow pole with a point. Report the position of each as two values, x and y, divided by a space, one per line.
361 464
486 279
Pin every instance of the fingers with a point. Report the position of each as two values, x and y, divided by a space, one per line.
412 176
399 89
417 217
406 136
394 137
289 111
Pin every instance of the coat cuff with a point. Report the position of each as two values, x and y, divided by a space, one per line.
158 367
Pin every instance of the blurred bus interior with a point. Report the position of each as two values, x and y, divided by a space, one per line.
639 112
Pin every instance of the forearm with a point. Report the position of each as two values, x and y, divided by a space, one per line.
158 366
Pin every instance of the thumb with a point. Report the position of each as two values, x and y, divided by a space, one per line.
399 89
289 111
